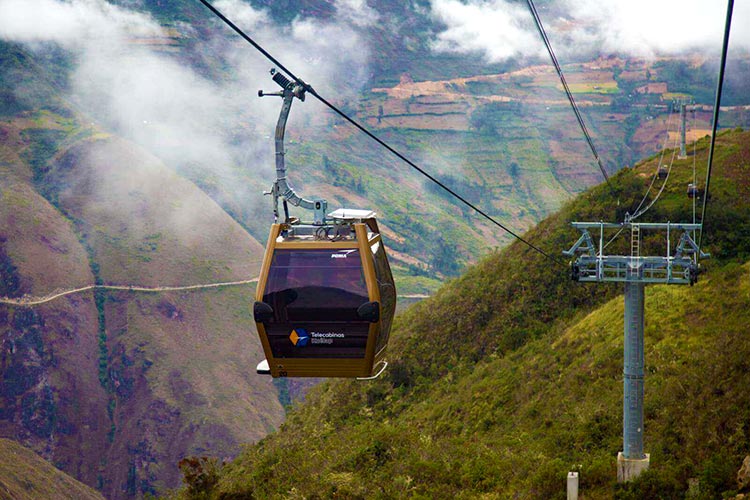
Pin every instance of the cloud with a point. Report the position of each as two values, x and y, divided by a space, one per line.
502 30
71 24
159 103
341 74
666 27
242 14
202 115
357 12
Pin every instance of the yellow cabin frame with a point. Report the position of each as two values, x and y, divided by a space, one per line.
363 241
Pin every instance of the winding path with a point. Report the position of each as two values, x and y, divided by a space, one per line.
35 301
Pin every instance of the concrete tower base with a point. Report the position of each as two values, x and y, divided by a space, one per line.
629 468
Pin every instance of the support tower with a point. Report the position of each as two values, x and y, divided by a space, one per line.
635 271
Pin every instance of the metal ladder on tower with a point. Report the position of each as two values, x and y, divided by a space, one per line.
635 248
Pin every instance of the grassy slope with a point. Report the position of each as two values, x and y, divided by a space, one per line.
26 476
511 375
421 222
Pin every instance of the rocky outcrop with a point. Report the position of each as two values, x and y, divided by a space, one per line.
743 475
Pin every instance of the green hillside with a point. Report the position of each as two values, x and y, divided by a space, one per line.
24 475
511 375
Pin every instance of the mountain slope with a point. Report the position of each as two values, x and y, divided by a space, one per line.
115 387
26 476
511 375
49 354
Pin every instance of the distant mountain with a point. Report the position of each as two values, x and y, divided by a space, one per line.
24 475
512 374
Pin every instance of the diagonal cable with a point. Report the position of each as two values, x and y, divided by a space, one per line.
719 86
661 161
356 124
638 211
572 101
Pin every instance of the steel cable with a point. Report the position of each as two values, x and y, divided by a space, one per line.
309 89
715 125
572 101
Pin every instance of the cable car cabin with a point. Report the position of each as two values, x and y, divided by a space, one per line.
325 298
662 172
692 191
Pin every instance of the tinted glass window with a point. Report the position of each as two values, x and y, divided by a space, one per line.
387 294
315 295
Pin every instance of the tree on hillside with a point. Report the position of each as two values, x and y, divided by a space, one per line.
489 118
445 258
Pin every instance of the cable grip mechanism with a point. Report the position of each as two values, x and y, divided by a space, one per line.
281 188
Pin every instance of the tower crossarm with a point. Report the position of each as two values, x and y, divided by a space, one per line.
584 244
688 246
592 265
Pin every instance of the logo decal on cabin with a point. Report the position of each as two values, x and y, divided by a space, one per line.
299 337
342 254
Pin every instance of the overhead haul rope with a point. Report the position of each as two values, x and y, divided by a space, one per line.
572 101
715 124
661 161
664 184
661 190
719 86
695 142
653 181
372 136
